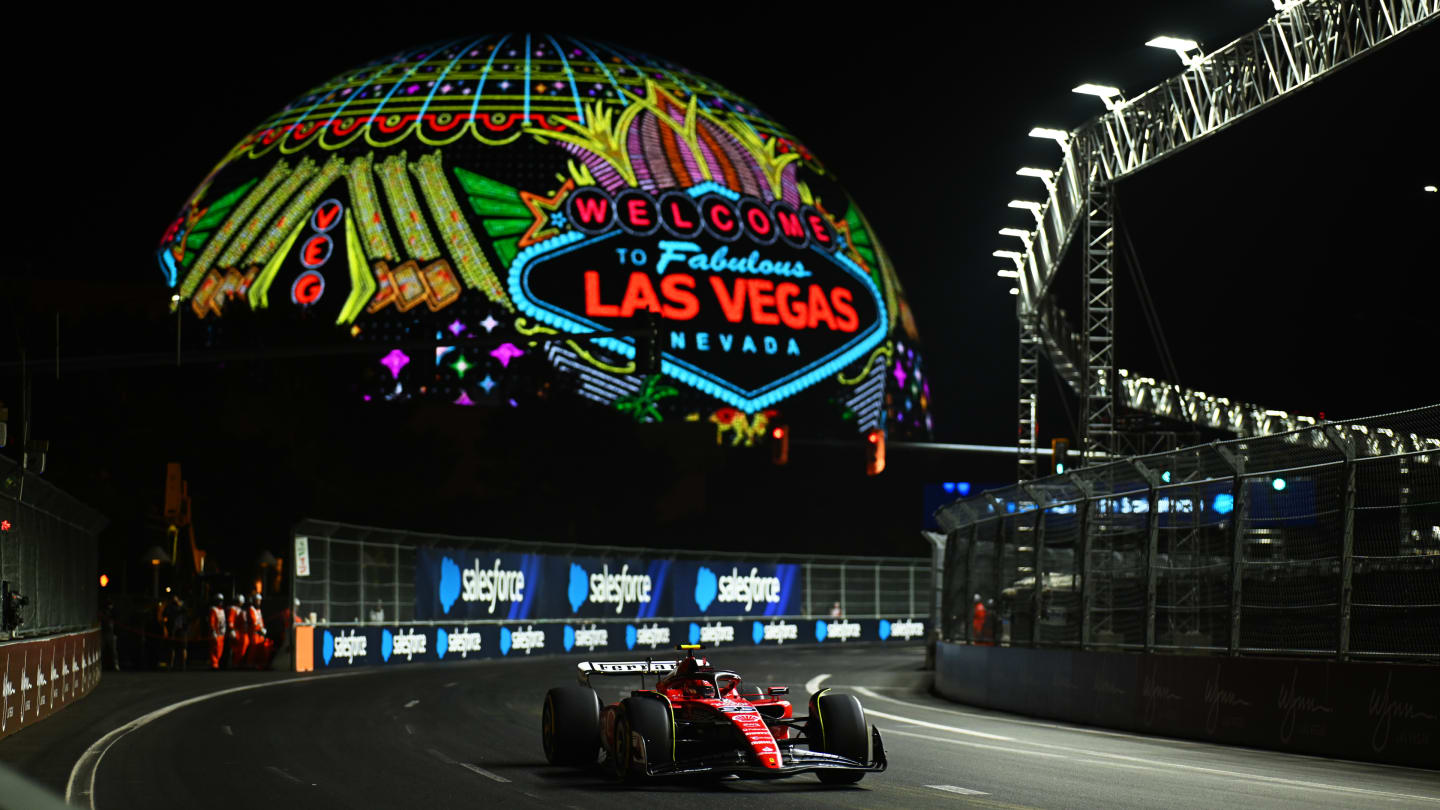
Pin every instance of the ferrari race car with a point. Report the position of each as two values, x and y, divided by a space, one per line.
698 720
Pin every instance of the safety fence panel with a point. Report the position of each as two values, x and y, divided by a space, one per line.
1320 541
48 554
375 596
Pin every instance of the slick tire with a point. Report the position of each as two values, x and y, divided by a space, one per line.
651 718
570 726
837 726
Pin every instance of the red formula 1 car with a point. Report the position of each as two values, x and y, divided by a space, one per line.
698 720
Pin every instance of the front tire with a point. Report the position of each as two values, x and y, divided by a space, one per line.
570 726
837 726
651 718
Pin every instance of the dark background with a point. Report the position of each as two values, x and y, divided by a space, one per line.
1291 261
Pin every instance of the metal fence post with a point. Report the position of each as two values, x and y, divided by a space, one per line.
1237 543
969 582
329 614
1347 540
360 560
875 606
1152 545
1038 568
910 604
1082 565
809 608
395 578
844 608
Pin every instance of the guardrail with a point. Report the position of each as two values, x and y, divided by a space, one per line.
380 596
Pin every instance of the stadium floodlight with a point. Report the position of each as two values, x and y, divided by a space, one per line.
1003 273
1026 205
175 299
1105 93
1013 255
1181 47
1432 189
1017 233
1059 136
1043 174
1014 290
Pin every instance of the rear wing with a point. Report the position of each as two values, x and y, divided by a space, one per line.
641 668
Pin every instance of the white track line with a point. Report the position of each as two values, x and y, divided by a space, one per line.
957 789
445 758
412 703
89 762
813 685
275 770
968 744
938 726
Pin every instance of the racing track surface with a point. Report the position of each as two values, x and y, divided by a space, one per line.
467 735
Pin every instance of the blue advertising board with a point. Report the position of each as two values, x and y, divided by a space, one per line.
736 589
339 647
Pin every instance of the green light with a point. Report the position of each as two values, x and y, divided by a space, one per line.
1059 467
461 367
1278 484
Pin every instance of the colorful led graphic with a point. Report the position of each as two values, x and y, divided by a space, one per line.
536 185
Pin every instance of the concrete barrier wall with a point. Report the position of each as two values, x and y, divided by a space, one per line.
41 676
1355 710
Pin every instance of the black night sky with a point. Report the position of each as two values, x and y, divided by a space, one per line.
1291 261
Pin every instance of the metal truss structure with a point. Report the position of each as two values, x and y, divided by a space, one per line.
1291 51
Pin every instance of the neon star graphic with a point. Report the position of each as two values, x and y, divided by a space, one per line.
441 351
505 353
395 361
900 375
456 327
543 208
464 399
489 323
487 383
461 366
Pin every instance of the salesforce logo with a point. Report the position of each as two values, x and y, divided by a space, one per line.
904 631
586 637
449 583
843 630
620 588
712 634
526 640
748 588
346 645
458 641
778 632
576 591
408 644
705 588
488 585
652 636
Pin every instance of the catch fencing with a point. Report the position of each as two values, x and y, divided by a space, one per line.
361 575
48 553
1321 541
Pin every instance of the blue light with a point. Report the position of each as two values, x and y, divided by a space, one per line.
1224 503
1278 484
948 486
1165 476
1009 506
962 487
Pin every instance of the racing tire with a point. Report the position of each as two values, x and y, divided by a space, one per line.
570 726
651 717
837 726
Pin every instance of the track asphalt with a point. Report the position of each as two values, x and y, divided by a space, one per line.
465 735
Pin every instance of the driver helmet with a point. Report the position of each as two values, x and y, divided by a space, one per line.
698 688
240 599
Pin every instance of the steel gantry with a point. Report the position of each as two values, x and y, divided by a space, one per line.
1293 49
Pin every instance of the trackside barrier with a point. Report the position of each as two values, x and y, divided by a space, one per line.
378 597
338 646
1365 710
39 677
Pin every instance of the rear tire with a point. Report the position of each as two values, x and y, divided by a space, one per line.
651 718
570 726
837 726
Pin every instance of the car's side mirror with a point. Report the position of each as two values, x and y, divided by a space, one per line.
778 690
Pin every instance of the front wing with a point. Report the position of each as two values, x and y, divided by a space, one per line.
796 762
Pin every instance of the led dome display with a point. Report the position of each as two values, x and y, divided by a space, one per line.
503 197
